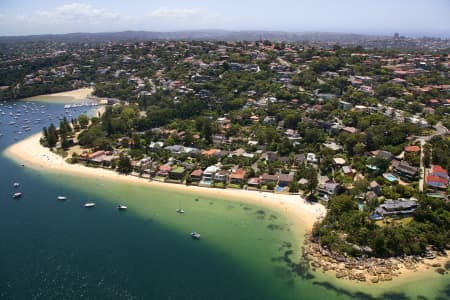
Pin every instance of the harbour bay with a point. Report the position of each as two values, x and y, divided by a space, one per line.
64 250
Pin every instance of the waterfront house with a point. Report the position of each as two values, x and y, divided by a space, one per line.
208 175
398 207
285 179
100 157
221 176
327 189
197 175
177 173
269 179
238 176
254 182
163 170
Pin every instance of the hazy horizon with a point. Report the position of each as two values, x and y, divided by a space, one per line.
413 18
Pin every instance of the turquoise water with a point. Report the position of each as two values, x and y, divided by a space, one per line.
60 250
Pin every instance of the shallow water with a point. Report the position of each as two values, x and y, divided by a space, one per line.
54 249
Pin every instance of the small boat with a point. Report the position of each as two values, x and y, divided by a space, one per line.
61 198
195 235
16 184
89 204
17 195
180 210
121 207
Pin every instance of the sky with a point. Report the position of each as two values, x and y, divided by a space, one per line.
407 17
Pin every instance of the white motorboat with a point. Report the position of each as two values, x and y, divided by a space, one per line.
195 235
17 195
16 184
89 204
61 198
180 210
121 207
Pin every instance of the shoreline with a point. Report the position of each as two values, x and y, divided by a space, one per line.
301 214
372 270
29 152
64 97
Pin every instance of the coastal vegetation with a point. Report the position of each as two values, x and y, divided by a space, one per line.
346 229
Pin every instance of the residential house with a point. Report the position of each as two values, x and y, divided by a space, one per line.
238 177
347 171
333 146
299 159
404 169
438 178
351 130
311 158
101 157
397 207
253 182
208 175
284 160
383 154
345 105
271 156
328 189
285 179
163 171
267 178
375 187
221 176
412 149
197 175
177 173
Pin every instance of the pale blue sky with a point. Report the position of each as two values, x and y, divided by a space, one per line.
408 17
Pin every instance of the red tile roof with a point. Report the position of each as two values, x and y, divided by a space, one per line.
437 169
412 149
197 173
239 174
165 168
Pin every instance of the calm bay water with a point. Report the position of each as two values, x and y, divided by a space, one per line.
59 250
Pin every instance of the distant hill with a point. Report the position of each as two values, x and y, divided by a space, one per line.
222 35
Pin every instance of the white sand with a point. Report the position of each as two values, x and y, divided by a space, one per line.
30 153
75 95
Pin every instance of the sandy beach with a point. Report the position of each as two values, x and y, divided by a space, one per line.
69 96
30 153
301 214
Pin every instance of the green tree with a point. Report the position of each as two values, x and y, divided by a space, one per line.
124 165
83 120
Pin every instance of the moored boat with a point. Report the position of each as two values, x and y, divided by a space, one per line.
121 207
195 235
61 198
180 210
89 204
16 184
17 195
